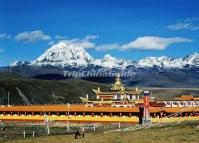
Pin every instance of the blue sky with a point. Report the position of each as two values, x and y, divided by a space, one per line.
130 29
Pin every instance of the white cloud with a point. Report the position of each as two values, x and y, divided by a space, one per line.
181 26
190 19
107 47
91 37
144 43
32 36
153 43
186 24
59 37
5 36
85 43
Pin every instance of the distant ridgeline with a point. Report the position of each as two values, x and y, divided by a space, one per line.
43 91
63 61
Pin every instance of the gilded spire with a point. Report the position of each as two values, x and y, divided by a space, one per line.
98 89
136 89
118 84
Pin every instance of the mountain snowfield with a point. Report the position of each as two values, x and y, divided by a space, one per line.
66 54
166 62
111 62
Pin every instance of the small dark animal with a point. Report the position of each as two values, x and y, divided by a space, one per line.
3 128
79 134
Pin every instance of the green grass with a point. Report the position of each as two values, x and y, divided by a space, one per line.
187 132
63 91
160 93
44 91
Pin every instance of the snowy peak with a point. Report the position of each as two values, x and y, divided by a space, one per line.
64 53
19 63
162 61
108 57
67 53
166 62
110 62
192 59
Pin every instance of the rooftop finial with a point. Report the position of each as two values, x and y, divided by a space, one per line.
118 75
98 89
118 84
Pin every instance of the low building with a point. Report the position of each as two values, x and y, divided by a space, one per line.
183 101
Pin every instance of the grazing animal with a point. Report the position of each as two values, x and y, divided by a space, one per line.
3 128
79 134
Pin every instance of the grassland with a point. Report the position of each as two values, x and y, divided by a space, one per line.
63 91
187 132
166 93
44 91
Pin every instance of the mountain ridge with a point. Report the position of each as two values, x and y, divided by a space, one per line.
65 54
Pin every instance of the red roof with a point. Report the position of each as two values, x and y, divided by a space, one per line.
64 108
83 108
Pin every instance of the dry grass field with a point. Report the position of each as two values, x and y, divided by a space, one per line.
183 133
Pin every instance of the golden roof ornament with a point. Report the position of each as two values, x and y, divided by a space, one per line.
98 89
118 84
136 89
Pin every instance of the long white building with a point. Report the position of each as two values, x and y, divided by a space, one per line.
183 101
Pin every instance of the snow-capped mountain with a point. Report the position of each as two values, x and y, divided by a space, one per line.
166 62
111 62
155 61
163 62
192 59
19 63
64 54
